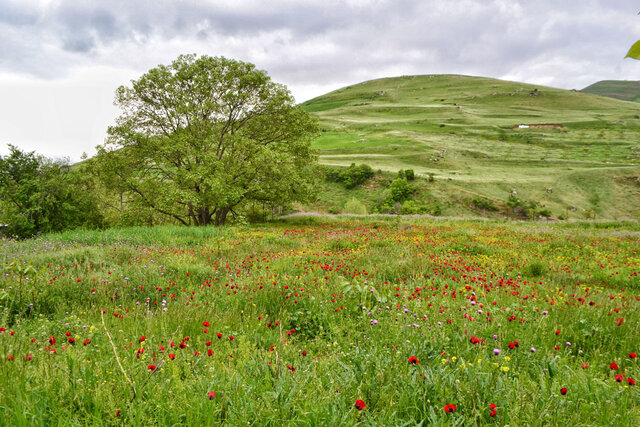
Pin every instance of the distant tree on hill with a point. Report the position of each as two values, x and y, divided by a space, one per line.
200 136
38 195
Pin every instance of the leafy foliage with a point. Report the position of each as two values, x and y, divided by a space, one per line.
355 206
201 136
634 51
400 190
526 208
39 195
484 203
408 174
350 177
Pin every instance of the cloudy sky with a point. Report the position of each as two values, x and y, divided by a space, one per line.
61 61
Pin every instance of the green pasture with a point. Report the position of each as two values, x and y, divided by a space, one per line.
459 129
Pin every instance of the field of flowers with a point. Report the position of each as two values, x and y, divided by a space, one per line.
332 323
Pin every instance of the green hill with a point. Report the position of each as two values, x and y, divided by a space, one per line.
458 129
626 90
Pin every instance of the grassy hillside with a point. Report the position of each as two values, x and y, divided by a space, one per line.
625 90
459 129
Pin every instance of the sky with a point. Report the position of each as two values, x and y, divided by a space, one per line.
61 61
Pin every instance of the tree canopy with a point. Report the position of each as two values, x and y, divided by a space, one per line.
40 195
202 135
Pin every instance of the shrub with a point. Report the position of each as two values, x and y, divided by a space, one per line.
350 177
484 203
355 206
410 207
400 190
526 208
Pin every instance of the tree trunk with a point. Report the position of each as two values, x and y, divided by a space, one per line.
221 215
203 216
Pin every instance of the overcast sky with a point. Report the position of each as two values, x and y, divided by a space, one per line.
61 61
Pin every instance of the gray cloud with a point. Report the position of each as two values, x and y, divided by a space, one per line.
317 45
491 37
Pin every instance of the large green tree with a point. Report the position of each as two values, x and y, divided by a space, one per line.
202 135
39 195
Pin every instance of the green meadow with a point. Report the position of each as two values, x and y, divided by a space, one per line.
315 321
458 130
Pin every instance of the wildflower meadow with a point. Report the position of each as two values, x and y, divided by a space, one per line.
300 322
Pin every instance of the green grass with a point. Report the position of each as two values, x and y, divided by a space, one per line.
360 298
619 89
458 128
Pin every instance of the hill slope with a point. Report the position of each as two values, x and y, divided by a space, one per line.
626 90
459 129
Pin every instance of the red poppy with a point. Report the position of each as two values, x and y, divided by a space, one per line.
413 360
86 342
619 378
613 366
633 355
512 345
142 338
10 358
219 335
172 356
231 338
304 352
68 334
449 408
209 352
557 332
360 405
72 340
563 391
211 395
118 413
183 344
28 357
208 343
206 325
52 340
631 381
151 368
492 407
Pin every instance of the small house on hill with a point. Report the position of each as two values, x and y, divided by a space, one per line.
538 125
